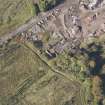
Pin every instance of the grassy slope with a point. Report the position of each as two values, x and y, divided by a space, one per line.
14 13
23 73
19 67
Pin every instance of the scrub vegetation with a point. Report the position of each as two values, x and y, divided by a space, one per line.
14 13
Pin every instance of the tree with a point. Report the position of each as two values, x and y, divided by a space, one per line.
92 64
82 75
43 5
53 3
36 9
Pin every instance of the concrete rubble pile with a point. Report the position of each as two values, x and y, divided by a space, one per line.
70 24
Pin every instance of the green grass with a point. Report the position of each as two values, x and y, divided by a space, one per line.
19 68
14 13
25 77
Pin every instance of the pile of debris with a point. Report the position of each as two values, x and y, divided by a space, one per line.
91 4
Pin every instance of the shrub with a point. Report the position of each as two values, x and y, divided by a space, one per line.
43 5
92 64
36 9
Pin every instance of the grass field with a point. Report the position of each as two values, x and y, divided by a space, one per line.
25 79
19 68
13 13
